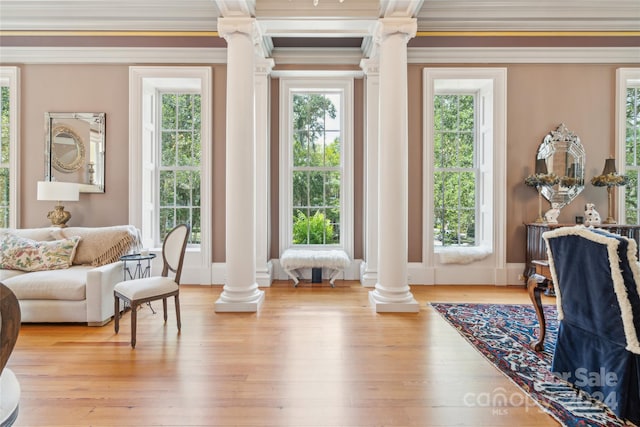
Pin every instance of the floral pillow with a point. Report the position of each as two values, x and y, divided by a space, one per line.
19 253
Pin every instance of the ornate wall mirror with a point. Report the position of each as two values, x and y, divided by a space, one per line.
74 150
565 157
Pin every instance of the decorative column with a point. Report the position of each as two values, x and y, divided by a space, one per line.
369 268
392 292
240 292
263 224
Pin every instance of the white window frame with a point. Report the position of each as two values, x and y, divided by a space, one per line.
490 84
625 78
289 86
144 84
10 76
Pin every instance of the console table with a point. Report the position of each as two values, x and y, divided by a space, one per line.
537 250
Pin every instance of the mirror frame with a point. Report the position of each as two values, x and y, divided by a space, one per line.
565 157
87 169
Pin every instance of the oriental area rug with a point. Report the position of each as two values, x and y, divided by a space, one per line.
502 333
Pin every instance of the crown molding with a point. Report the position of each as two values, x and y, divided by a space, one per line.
112 55
541 55
301 56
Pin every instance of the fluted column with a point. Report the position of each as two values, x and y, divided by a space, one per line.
392 292
263 265
240 292
369 268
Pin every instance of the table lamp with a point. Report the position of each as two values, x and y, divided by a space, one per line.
59 192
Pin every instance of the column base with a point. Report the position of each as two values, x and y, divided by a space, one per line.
381 304
264 276
368 278
227 304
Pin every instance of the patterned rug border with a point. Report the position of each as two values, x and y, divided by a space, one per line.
545 403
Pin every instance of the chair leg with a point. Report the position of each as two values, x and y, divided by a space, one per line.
134 318
116 314
177 300
164 308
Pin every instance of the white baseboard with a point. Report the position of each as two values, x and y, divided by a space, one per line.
419 274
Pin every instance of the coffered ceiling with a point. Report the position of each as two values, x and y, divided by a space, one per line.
325 23
432 15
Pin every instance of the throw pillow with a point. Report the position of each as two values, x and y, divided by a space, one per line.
19 253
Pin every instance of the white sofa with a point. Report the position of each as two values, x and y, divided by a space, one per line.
82 292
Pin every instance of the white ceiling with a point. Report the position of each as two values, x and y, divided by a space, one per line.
328 15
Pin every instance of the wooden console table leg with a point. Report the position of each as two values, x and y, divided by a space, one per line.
534 288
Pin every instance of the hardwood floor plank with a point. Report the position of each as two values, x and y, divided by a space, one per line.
312 356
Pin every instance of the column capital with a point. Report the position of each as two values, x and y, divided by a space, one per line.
386 27
263 66
233 25
370 66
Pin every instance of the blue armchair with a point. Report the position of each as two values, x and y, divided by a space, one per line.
597 282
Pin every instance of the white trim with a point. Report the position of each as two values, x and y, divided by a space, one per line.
287 85
344 56
12 76
112 55
624 78
351 56
194 259
492 269
523 55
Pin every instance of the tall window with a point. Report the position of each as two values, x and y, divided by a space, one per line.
170 161
4 156
464 162
632 152
316 172
179 166
317 168
8 146
455 171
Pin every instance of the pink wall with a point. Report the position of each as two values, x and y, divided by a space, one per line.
540 97
75 88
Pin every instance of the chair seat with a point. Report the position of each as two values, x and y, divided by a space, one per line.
144 288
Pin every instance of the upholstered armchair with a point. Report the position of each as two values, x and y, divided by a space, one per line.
597 289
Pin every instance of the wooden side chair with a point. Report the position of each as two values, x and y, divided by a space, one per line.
140 291
9 331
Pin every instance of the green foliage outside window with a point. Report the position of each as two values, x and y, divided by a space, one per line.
632 155
455 173
316 176
314 230
180 153
4 156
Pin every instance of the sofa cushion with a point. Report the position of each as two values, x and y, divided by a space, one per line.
38 234
20 253
101 245
67 284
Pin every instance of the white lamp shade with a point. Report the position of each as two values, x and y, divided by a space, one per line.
58 191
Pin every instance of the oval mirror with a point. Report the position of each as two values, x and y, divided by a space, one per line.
67 149
565 157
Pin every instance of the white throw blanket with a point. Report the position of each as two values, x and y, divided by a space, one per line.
463 255
335 259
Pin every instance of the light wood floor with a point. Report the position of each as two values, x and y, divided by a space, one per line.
312 356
